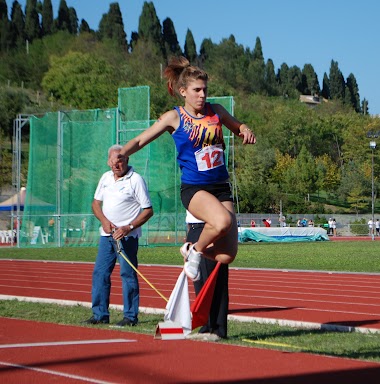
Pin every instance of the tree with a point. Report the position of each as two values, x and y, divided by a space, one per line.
271 79
3 10
358 202
73 21
63 21
365 106
228 63
190 49
81 80
354 184
17 25
206 50
283 79
326 87
149 26
111 26
328 174
12 102
84 27
310 82
304 173
257 192
256 70
170 38
5 27
47 19
337 84
32 23
134 40
295 79
353 89
284 162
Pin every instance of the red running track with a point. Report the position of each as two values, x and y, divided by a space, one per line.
34 352
314 299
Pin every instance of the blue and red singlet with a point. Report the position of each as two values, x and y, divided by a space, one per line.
200 146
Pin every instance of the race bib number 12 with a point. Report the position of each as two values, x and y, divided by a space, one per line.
209 157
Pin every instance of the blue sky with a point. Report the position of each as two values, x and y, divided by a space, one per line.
296 32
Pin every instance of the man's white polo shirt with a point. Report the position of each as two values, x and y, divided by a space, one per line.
122 199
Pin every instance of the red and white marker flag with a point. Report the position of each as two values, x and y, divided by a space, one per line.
178 306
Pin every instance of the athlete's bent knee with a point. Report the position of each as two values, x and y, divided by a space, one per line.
223 226
225 259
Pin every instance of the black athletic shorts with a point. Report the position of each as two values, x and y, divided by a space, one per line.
222 191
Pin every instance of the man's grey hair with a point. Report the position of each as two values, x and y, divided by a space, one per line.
115 147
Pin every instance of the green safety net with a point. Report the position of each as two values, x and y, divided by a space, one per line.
68 155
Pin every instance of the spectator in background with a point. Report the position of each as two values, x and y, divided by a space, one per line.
311 223
334 227
253 223
83 227
266 223
370 227
51 224
282 221
330 223
377 226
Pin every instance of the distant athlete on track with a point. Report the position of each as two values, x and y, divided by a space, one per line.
206 192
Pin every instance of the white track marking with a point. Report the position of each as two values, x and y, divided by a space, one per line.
61 343
55 373
310 301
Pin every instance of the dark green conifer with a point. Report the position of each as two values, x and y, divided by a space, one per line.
32 22
47 19
190 50
170 38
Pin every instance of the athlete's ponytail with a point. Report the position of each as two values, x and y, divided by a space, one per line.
179 72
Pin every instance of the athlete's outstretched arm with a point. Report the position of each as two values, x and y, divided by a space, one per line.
168 122
234 125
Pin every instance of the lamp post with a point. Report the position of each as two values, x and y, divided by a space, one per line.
372 145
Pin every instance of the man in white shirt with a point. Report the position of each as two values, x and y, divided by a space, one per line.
122 205
370 226
330 222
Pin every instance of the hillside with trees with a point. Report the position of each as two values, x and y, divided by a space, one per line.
306 157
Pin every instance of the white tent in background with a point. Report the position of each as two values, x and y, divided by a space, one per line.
11 203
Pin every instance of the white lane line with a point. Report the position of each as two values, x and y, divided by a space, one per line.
244 290
304 324
55 373
303 309
302 300
61 343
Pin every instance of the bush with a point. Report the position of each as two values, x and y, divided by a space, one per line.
359 227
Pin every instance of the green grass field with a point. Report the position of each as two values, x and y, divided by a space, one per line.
355 256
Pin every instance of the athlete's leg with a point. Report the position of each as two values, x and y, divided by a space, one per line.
220 223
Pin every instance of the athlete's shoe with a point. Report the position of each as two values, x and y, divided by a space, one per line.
185 249
191 267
